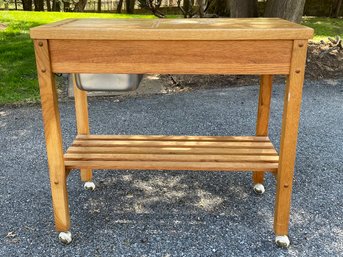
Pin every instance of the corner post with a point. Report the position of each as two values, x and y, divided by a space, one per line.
289 134
53 135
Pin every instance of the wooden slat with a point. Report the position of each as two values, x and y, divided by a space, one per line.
169 157
172 150
175 138
173 29
175 57
148 143
196 166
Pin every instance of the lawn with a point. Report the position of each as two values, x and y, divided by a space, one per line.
18 80
324 27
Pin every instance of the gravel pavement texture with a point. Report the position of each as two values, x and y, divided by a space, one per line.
175 213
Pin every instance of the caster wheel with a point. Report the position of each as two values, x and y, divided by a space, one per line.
282 241
65 237
259 189
89 186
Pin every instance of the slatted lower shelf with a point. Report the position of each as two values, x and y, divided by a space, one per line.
217 153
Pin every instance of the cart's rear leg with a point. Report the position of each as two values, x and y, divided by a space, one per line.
82 122
262 123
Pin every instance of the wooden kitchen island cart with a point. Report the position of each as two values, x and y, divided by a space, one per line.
260 46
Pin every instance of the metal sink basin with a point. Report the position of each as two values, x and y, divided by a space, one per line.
108 82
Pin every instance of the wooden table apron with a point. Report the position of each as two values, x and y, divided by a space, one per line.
262 57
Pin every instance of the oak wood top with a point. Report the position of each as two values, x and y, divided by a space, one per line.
173 29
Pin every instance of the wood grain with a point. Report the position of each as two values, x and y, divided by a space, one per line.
170 157
173 29
192 57
263 111
171 150
53 136
289 134
176 138
82 122
195 166
149 143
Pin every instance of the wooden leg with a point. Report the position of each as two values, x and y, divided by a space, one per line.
81 111
53 136
263 115
291 114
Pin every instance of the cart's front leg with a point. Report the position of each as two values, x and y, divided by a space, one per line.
82 123
53 137
289 134
262 121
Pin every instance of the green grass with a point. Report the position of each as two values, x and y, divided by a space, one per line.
18 79
324 27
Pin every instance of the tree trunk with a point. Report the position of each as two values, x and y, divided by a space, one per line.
127 4
99 5
187 8
27 5
15 5
48 5
220 8
201 6
291 10
130 6
187 5
120 6
80 6
336 7
56 6
243 8
39 5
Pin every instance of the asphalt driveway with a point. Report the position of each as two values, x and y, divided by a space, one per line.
175 213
